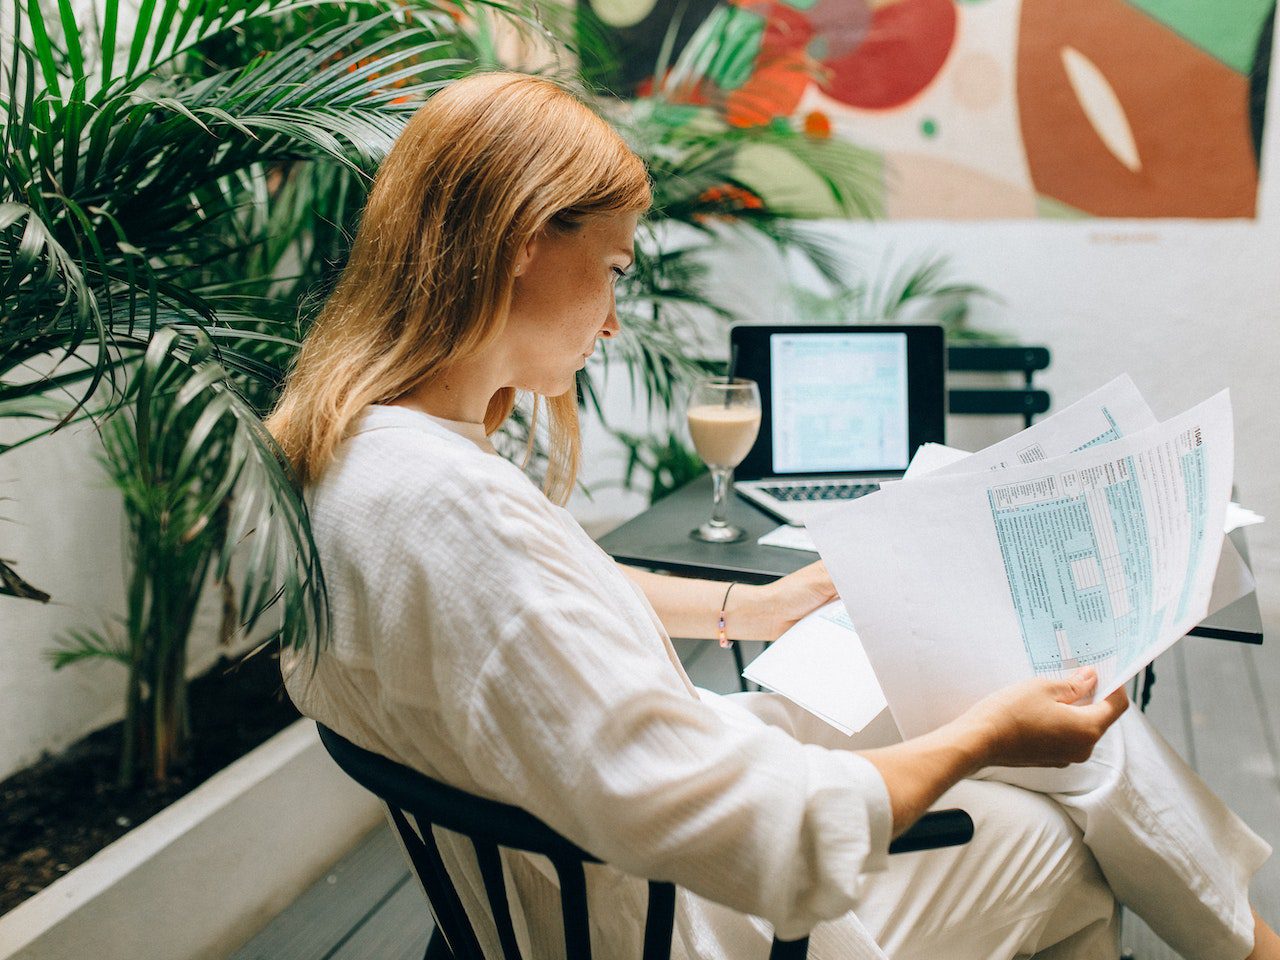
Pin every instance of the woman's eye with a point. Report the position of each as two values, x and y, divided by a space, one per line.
618 274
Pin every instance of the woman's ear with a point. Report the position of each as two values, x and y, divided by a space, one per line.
526 253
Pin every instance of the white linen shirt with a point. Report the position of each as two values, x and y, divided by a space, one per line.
480 636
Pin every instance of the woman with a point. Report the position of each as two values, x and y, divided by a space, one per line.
480 636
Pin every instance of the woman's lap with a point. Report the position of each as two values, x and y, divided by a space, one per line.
1025 882
1167 846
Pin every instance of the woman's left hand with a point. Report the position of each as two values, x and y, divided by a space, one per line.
797 594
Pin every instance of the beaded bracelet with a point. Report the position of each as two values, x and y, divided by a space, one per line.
721 633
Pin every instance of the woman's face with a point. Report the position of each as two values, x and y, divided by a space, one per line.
563 299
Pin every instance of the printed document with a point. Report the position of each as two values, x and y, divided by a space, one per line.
820 665
1029 558
1107 414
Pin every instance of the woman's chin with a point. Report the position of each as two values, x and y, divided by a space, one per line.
552 387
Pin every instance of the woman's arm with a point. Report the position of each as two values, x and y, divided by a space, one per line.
691 608
1034 723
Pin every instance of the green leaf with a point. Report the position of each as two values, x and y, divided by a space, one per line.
141 32
81 645
71 34
43 48
107 47
12 585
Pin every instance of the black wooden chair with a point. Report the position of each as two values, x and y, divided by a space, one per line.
1025 400
490 825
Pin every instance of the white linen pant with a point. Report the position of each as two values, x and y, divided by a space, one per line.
1053 850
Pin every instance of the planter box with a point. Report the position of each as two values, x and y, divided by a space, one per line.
201 877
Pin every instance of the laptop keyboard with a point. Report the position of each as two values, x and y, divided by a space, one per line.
820 491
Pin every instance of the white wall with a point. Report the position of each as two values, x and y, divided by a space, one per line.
62 525
61 521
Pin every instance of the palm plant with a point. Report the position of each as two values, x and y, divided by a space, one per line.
170 193
668 461
175 454
694 155
135 169
916 289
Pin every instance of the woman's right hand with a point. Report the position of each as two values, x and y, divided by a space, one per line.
1041 723
1036 723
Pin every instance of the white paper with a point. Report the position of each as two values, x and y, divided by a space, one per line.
793 538
933 456
1238 516
961 583
820 664
1109 413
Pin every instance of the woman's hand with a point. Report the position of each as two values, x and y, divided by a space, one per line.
785 601
1040 723
1035 723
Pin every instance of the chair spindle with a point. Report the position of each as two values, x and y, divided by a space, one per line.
495 887
428 866
573 901
660 921
789 949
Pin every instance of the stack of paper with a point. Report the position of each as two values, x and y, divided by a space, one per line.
1094 537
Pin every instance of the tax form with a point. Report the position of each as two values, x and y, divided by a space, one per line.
820 663
1027 560
1109 413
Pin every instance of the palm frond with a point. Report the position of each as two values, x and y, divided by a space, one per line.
191 422
117 208
12 585
913 290
77 646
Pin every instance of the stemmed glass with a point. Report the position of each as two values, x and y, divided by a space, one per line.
724 418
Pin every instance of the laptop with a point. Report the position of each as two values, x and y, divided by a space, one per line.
843 408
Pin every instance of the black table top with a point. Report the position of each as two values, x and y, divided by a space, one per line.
659 539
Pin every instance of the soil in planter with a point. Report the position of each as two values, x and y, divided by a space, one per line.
60 812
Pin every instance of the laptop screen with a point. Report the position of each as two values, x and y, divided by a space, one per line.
839 402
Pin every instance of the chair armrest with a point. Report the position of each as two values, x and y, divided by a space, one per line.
938 828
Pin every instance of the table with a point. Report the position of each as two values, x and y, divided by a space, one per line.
659 539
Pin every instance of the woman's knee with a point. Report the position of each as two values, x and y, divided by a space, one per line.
1023 844
999 892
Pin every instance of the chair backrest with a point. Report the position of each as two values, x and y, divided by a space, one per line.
1025 400
490 825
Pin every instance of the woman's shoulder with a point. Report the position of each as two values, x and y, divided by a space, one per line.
397 497
396 461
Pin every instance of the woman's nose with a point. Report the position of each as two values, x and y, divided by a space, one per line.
611 324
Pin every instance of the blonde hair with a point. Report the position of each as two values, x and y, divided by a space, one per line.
477 172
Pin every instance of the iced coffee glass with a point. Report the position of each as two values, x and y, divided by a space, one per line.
724 418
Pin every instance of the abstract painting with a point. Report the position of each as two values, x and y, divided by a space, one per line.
1003 109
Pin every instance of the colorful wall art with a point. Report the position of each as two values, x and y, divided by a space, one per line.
1000 109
